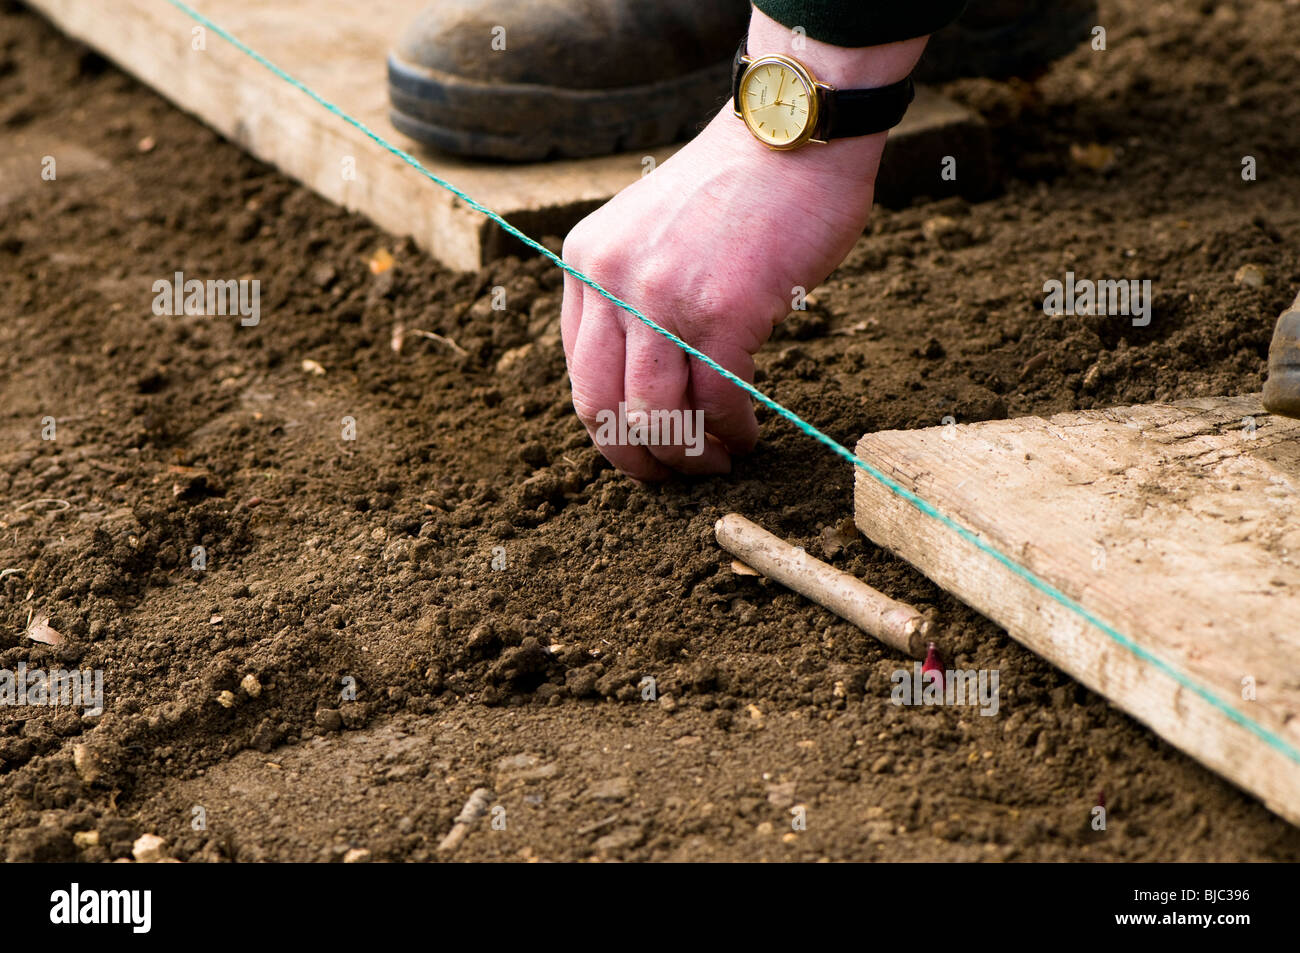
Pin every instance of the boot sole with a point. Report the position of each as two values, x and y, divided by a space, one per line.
529 123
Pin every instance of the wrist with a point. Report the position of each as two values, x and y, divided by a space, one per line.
844 67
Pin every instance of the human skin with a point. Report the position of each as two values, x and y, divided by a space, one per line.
711 245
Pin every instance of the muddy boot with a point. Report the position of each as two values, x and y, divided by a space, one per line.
1282 389
536 79
539 79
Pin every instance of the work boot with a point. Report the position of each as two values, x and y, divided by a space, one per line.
1282 389
539 79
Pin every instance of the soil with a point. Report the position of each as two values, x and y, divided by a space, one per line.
395 670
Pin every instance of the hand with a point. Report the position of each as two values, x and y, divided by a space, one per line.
712 246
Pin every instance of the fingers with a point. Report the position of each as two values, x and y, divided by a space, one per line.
570 315
648 407
656 379
596 373
728 410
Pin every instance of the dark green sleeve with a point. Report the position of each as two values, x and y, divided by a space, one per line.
863 22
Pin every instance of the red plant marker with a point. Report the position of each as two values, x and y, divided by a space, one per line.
932 664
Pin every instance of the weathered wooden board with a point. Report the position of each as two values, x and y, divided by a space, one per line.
1176 524
339 48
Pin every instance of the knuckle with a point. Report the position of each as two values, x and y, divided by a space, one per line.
577 244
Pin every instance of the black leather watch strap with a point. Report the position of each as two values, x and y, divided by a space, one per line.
863 112
845 112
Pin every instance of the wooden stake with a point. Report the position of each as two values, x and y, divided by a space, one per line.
897 624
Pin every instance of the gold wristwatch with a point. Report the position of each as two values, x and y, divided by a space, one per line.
785 107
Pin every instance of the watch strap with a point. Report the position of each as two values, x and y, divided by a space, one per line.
846 113
864 112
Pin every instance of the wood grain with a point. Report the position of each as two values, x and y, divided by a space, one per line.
1176 524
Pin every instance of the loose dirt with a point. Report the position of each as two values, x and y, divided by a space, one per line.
466 596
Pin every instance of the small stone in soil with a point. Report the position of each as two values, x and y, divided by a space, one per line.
149 849
1252 276
329 719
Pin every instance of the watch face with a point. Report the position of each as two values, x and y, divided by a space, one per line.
778 102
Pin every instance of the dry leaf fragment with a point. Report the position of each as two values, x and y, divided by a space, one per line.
40 630
433 336
740 569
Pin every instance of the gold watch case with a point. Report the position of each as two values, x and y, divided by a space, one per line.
777 131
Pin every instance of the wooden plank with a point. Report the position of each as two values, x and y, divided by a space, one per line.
1176 524
338 48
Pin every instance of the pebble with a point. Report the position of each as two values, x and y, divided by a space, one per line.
357 855
1093 156
149 849
324 275
227 699
513 358
1252 276
945 830
946 232
329 719
251 686
89 764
